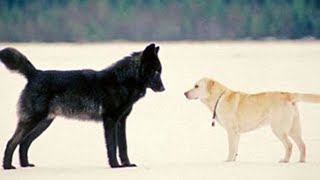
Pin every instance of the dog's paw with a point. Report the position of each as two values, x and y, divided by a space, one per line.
8 167
302 161
283 161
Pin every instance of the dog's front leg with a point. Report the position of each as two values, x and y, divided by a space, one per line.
233 139
110 132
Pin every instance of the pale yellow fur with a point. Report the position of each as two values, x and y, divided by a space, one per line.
239 112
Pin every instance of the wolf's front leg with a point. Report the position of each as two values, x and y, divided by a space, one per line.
110 132
122 143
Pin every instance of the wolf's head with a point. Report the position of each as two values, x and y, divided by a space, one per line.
150 68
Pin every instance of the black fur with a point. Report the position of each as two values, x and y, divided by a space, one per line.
107 95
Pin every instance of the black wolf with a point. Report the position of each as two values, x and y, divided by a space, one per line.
107 95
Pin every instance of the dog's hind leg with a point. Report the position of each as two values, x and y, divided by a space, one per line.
22 129
283 137
302 147
30 137
295 134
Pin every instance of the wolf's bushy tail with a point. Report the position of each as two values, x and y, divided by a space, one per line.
16 61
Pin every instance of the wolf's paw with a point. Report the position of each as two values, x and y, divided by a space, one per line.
115 166
27 165
129 165
123 166
8 167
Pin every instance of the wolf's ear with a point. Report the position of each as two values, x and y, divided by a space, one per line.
157 49
149 50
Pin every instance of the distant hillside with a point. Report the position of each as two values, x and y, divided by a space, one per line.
102 20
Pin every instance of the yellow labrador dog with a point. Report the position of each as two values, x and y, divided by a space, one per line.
239 112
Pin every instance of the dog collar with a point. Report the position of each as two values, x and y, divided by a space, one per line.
215 108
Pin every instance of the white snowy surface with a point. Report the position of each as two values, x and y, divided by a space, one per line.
170 137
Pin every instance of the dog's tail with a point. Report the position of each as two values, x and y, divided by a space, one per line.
16 61
310 98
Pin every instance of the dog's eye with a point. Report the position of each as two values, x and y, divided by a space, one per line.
196 86
156 72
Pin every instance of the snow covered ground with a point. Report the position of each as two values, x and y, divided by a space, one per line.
170 137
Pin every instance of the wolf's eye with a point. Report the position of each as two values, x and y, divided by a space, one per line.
196 86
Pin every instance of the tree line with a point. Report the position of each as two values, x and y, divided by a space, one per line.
139 20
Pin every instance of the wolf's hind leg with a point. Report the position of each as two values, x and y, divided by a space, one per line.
22 129
30 137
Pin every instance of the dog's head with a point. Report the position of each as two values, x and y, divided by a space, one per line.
205 88
151 68
201 90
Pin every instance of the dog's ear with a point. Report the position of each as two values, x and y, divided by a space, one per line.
157 49
210 85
